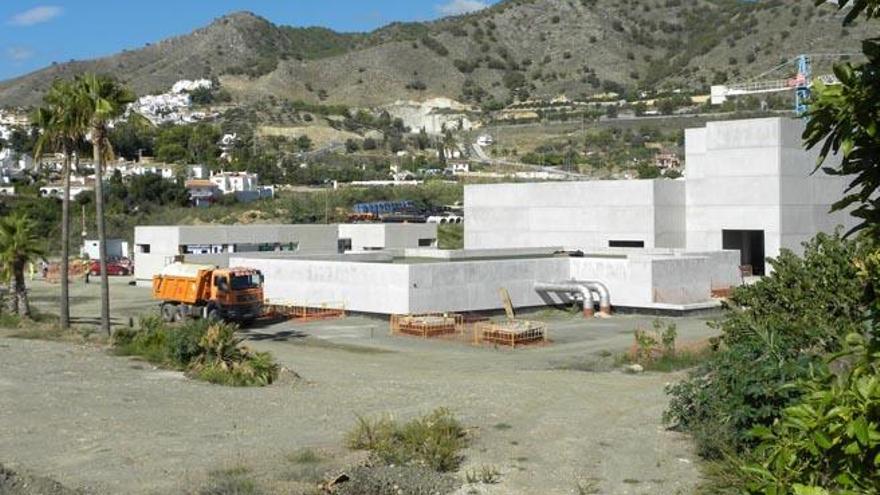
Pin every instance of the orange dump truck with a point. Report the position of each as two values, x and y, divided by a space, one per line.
204 291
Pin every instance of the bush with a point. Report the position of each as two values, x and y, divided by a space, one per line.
222 359
207 351
433 441
772 333
830 441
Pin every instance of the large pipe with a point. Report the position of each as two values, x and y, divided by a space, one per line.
603 293
570 288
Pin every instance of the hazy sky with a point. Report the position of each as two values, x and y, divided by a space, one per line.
34 34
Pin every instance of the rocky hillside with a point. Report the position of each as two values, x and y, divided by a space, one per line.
516 48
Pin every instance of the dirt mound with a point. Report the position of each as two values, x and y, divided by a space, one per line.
12 483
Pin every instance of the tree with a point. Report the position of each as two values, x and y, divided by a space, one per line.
61 127
20 244
103 100
842 119
304 143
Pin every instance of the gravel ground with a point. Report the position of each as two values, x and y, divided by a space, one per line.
107 424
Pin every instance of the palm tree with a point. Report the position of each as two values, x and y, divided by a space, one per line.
103 100
20 244
61 127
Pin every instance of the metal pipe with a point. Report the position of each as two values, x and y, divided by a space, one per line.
570 288
603 293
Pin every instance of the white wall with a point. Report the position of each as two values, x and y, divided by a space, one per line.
365 287
583 215
756 175
474 285
165 242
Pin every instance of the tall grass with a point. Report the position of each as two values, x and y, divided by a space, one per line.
433 441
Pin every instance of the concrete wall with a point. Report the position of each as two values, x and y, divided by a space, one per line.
165 243
635 279
585 215
734 183
474 285
369 236
366 287
756 175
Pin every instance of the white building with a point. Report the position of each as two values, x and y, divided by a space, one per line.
78 185
116 248
584 215
379 236
232 182
158 246
748 186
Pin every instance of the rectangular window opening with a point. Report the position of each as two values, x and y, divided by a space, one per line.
626 244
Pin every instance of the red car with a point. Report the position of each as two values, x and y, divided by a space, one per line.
113 268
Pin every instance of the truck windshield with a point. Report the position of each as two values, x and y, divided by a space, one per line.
239 282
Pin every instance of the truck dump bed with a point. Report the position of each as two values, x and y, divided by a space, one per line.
183 283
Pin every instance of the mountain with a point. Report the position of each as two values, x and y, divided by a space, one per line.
516 47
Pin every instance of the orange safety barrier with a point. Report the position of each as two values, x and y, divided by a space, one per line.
427 325
510 333
304 312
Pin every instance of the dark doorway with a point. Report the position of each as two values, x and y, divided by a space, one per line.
750 244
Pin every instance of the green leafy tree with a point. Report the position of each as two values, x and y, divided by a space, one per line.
103 100
20 244
304 143
843 120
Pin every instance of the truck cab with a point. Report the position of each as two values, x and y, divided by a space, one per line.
237 293
205 291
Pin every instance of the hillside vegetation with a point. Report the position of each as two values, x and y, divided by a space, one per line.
517 48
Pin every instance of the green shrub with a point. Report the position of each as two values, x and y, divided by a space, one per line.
433 441
772 333
207 351
830 441
220 358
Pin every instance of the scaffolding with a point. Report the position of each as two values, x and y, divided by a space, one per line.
427 325
510 333
304 311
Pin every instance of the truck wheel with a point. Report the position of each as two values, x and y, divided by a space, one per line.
179 315
213 314
168 312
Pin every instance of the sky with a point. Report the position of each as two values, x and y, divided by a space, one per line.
33 34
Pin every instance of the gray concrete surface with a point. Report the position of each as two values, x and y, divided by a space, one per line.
115 425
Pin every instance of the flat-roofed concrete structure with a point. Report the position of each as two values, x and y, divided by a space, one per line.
158 246
428 280
376 236
749 185
587 215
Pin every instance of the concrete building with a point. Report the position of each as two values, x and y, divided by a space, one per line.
751 186
377 236
158 246
582 215
116 248
748 185
430 280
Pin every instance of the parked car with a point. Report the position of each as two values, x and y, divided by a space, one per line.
114 268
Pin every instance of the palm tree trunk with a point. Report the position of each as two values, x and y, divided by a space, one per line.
21 301
98 146
65 243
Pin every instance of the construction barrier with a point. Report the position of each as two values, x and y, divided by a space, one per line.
304 311
75 269
427 325
510 333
